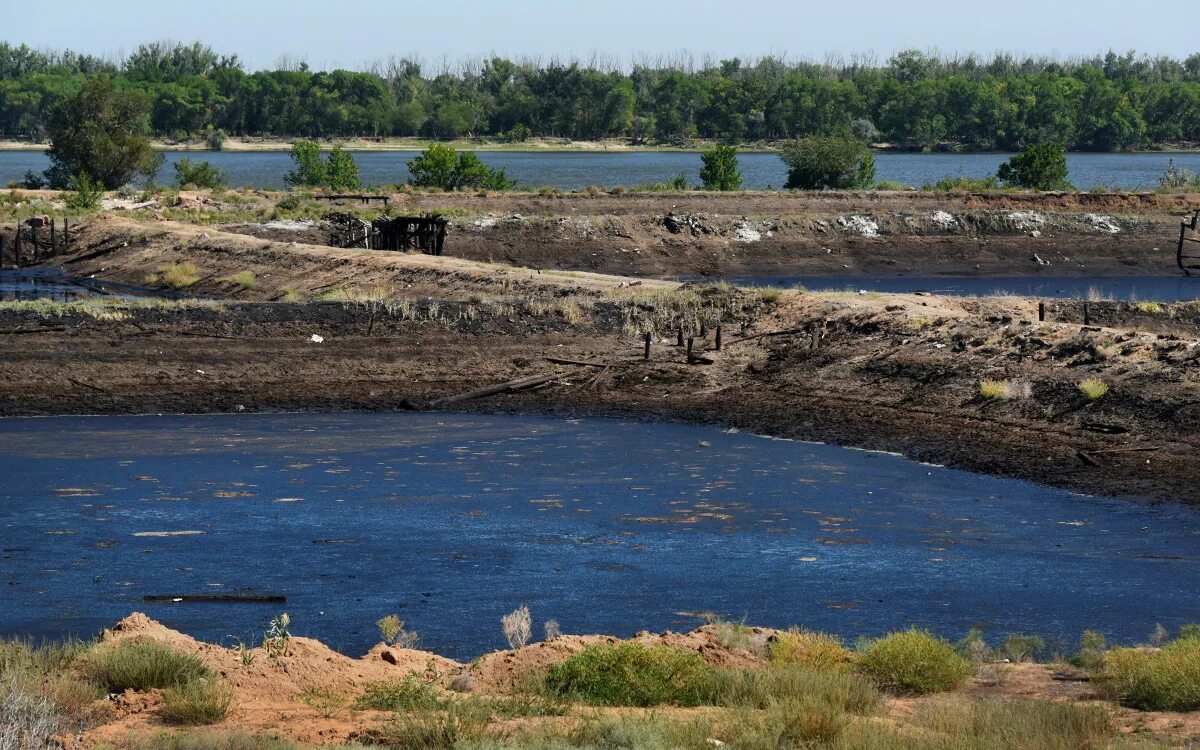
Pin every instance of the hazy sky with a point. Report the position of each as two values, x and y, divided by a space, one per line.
347 34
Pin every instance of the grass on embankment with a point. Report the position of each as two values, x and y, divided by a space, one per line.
811 692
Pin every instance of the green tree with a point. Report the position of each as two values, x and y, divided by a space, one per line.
441 167
829 161
720 169
101 133
341 171
311 170
85 194
1040 167
200 174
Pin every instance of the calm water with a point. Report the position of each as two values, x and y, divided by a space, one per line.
1143 288
40 283
606 526
575 170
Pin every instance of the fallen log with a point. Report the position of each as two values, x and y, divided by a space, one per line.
97 253
214 598
579 363
512 386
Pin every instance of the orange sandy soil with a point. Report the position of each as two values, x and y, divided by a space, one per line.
268 701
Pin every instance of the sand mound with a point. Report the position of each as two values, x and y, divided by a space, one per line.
308 664
501 671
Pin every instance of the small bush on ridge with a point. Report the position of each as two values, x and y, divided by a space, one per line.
142 665
914 661
1164 680
201 701
633 674
819 651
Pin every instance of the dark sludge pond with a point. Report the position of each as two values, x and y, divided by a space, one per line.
606 526
27 284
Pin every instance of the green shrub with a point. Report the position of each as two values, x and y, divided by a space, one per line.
974 647
829 161
215 139
1018 647
244 280
1093 388
200 174
719 170
142 665
632 674
819 651
439 166
995 390
310 169
399 695
759 688
1190 630
200 701
1164 680
85 194
963 184
1042 166
328 703
175 275
1092 648
789 724
459 724
341 171
914 661
635 732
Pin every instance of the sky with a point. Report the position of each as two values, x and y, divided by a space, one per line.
349 34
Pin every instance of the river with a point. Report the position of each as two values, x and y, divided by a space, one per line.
606 526
572 170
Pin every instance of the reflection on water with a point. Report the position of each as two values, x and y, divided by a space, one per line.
573 170
606 526
40 283
1144 288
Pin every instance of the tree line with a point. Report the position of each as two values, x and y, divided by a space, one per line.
1105 103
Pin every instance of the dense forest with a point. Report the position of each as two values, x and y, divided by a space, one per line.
1106 103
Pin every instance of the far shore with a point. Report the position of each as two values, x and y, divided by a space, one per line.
533 145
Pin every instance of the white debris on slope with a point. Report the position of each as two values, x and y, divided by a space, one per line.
1106 224
1025 220
484 222
863 226
291 225
743 232
943 220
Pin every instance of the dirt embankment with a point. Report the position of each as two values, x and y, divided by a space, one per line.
782 234
270 690
895 372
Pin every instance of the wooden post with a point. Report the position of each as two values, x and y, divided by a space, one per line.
1087 318
703 330
17 246
1 251
1041 312
51 236
33 239
679 337
646 353
66 233
690 340
718 337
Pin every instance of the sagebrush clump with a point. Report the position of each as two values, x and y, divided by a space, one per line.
914 662
633 674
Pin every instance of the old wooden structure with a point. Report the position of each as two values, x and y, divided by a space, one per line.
35 240
1187 234
426 234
